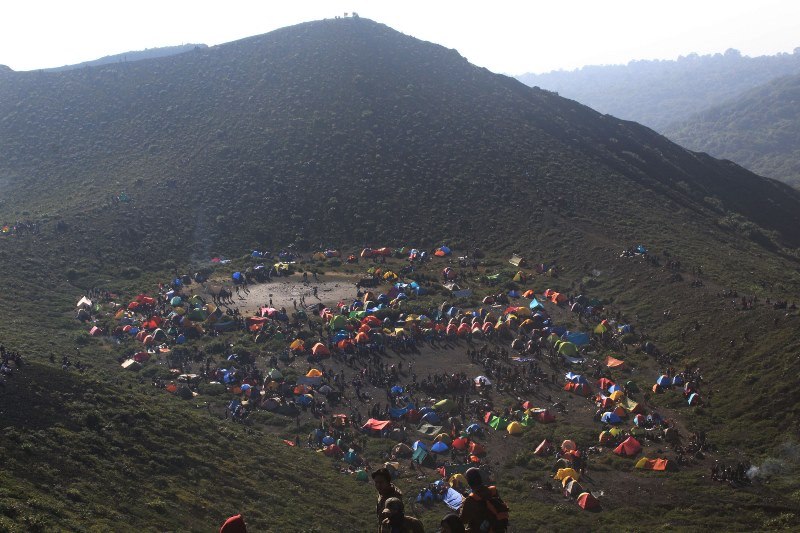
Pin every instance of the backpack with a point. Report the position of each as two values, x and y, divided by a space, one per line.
496 511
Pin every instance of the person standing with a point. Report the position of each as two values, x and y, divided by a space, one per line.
386 489
482 510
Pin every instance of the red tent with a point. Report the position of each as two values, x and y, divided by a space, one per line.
588 502
460 443
630 447
545 416
604 383
543 448
376 425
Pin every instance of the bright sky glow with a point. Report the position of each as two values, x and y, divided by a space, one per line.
506 36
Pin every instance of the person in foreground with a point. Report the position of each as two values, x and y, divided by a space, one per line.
451 524
386 489
483 510
395 520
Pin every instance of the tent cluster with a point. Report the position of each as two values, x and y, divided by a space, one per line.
690 388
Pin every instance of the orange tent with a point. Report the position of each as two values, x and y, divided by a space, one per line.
314 373
362 338
652 464
528 294
476 448
612 362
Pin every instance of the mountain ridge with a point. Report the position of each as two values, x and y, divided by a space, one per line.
759 130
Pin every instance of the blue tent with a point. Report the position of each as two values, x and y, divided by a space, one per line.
611 418
397 389
431 418
664 381
559 330
453 499
328 440
614 388
677 381
439 447
425 410
576 378
426 496
513 294
446 250
640 249
535 303
419 444
303 399
473 428
255 254
577 338
395 412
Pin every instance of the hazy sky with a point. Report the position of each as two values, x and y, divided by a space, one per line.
510 37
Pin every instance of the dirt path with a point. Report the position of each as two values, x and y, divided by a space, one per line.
287 291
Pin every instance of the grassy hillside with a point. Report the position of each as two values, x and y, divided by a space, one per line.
758 130
346 133
659 92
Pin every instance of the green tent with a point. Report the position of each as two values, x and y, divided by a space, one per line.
275 374
498 423
338 322
422 457
361 475
568 349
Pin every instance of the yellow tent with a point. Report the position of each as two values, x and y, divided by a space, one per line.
514 428
443 437
297 344
564 472
617 395
600 329
314 373
458 481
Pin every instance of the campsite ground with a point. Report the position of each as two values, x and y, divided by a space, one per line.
522 475
172 436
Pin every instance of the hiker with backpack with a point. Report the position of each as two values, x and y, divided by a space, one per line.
483 510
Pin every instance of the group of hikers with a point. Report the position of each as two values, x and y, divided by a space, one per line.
483 510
